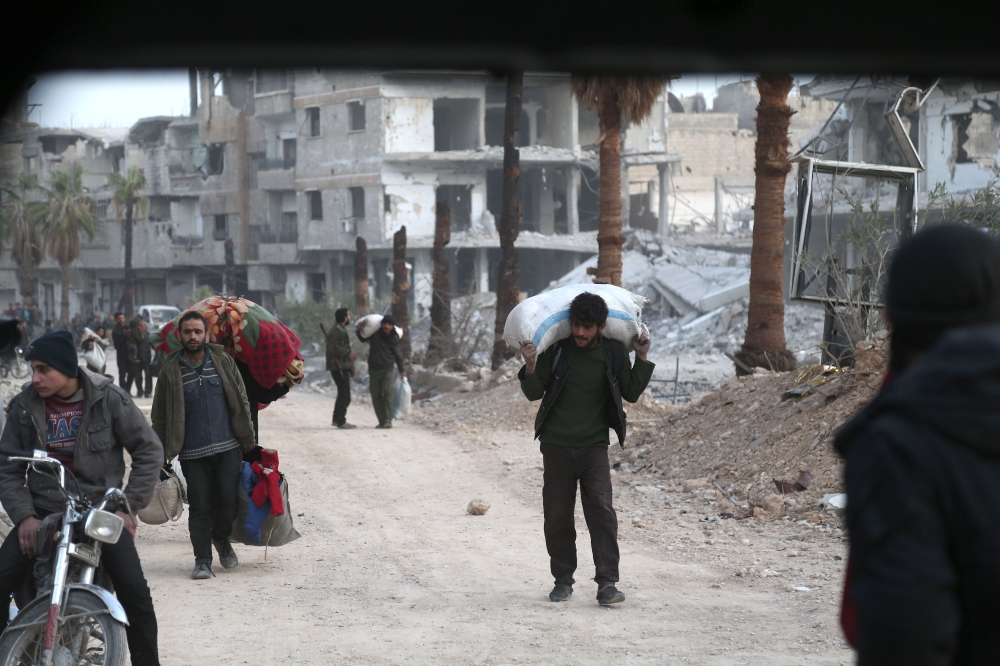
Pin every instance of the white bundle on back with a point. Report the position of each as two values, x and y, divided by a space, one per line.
543 320
370 324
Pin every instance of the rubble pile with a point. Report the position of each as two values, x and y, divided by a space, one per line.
741 441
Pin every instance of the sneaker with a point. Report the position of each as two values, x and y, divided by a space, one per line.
202 571
380 426
610 596
346 426
561 592
227 556
387 425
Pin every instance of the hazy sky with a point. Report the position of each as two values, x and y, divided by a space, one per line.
119 98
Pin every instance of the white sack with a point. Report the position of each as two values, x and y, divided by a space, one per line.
370 323
543 320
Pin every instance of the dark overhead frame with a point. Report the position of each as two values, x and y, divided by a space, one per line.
925 37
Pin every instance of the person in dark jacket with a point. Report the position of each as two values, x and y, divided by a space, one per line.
340 362
86 422
922 464
141 356
579 406
119 339
383 352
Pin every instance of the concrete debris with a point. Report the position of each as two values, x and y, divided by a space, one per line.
478 507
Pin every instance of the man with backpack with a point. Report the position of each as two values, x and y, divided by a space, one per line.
581 382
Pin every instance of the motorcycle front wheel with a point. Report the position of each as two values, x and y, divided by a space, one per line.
87 637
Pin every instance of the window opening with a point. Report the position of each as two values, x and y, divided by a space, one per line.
316 205
356 116
216 162
357 202
312 114
221 229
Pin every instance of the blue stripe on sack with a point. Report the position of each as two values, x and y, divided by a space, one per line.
563 315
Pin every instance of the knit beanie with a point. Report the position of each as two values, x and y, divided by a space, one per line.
389 319
945 276
55 349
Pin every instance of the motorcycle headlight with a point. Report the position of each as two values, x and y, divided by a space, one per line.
103 526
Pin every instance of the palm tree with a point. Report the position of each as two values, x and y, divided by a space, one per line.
19 215
619 99
764 344
66 215
126 198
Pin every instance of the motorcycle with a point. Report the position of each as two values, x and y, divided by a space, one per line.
71 621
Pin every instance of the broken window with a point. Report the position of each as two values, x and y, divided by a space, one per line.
387 203
315 205
220 231
357 202
356 116
271 80
456 124
459 200
312 117
976 139
288 149
216 159
317 287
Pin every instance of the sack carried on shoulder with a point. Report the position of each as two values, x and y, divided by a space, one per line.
167 503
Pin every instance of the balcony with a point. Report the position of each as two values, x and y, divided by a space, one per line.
273 174
273 245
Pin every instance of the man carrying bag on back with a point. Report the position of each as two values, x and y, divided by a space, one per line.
581 382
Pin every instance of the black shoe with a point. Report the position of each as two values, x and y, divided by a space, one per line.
227 556
148 395
202 571
561 592
387 425
610 596
346 426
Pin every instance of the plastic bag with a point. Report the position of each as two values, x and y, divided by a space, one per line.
95 357
404 396
543 320
370 323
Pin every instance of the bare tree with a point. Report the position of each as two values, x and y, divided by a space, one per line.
401 289
362 307
508 291
441 344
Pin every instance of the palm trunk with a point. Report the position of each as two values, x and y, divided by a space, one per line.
128 293
609 232
440 345
401 289
508 291
362 308
26 273
764 345
64 300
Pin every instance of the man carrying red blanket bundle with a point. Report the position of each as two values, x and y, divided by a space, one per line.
922 469
201 414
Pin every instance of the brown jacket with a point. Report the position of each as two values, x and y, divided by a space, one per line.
167 414
111 423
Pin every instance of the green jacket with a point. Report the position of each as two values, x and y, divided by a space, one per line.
167 414
338 349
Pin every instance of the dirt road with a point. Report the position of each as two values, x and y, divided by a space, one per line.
391 570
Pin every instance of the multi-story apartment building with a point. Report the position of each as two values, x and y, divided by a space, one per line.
293 165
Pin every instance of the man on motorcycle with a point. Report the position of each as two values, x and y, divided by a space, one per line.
63 401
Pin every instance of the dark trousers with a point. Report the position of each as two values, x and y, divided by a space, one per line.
383 396
342 378
121 562
124 370
564 467
211 490
138 370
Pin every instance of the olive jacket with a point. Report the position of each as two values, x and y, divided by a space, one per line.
167 414
111 424
338 349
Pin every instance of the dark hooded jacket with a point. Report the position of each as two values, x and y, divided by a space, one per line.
922 477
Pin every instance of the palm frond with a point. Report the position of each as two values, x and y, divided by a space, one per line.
634 94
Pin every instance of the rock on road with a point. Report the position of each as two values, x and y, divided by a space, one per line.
391 569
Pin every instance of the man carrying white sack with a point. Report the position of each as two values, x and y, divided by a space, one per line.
579 406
